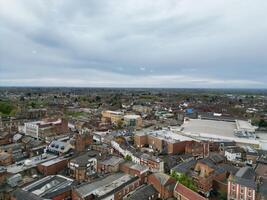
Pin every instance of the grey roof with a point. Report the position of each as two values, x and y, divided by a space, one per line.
113 160
49 185
246 173
245 176
105 185
163 178
216 157
185 167
22 195
143 193
229 168
262 188
82 160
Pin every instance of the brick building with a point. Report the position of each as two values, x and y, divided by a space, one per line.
197 149
181 192
163 183
110 164
46 128
135 170
242 185
84 166
162 141
5 159
52 166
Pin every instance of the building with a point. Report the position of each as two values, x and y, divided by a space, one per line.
242 185
59 147
234 154
206 171
182 192
197 149
155 164
163 183
3 174
54 187
5 159
113 117
84 166
46 128
82 140
115 187
135 170
145 192
216 130
52 166
5 138
162 141
134 121
109 165
142 109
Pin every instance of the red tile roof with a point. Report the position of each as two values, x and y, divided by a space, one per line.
187 193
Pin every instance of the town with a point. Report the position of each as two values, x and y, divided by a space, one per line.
144 144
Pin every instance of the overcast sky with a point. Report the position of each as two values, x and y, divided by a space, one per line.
138 43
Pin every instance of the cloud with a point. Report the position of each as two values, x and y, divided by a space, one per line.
203 44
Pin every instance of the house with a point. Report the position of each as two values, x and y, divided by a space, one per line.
163 183
135 169
242 185
181 192
205 172
5 159
59 147
114 186
145 192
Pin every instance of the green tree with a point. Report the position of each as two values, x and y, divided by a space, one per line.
185 180
128 158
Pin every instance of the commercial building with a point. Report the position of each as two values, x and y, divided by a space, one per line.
114 187
46 128
53 166
132 121
238 131
113 117
50 187
162 141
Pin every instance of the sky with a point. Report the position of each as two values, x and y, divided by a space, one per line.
134 43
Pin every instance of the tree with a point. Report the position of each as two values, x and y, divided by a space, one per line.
128 158
185 180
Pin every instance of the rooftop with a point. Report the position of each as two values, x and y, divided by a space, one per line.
105 185
49 185
143 193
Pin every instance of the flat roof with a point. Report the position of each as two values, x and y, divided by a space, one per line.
53 161
214 130
166 135
209 127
